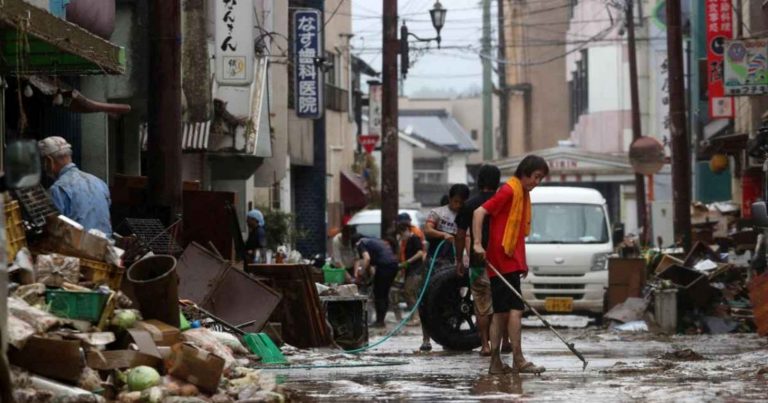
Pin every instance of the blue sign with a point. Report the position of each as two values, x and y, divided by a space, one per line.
307 45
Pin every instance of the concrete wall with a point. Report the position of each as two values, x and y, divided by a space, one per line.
274 17
340 129
536 46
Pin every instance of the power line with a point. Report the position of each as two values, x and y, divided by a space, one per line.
334 13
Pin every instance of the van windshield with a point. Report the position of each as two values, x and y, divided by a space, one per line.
568 224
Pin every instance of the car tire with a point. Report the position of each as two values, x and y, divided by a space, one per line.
447 311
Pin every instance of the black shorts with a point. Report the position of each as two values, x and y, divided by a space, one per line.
504 300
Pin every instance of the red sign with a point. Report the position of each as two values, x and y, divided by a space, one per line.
719 28
751 191
368 141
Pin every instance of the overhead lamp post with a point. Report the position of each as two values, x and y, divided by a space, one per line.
389 125
437 14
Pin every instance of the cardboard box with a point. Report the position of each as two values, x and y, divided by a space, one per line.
127 357
162 333
196 366
50 357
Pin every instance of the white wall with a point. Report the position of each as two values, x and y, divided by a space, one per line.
457 168
608 79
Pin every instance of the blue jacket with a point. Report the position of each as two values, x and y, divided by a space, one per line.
82 197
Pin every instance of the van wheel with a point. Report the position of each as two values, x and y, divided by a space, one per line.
447 311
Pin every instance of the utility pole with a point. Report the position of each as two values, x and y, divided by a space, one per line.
389 126
681 159
503 90
164 131
642 211
487 83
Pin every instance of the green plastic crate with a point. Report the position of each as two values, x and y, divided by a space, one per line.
76 305
332 275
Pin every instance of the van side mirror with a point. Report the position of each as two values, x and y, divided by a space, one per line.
618 233
22 165
760 214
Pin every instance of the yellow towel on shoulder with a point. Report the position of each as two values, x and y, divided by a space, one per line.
520 212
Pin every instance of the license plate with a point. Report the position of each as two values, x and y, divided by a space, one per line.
563 304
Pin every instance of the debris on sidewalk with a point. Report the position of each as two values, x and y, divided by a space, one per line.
682 355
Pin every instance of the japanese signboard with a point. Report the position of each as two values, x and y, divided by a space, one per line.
746 67
719 29
234 42
368 141
662 94
307 45
374 108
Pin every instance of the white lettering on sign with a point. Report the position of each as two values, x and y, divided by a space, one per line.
307 44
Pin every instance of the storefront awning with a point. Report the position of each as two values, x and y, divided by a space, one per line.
195 136
34 41
729 144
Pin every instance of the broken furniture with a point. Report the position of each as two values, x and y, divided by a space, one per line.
348 317
626 278
300 313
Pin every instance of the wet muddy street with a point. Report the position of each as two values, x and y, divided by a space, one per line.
622 367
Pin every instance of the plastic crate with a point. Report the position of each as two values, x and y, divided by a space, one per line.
102 273
76 305
15 235
333 275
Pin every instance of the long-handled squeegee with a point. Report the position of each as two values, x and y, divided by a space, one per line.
569 345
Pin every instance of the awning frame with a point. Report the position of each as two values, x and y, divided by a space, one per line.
55 46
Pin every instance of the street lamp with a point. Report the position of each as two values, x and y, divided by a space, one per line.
437 14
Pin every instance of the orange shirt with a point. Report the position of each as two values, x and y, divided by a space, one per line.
415 231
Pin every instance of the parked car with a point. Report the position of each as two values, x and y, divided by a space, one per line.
567 250
368 222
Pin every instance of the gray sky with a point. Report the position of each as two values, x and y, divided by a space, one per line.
456 67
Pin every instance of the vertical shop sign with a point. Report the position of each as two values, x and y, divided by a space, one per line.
234 42
307 26
719 29
374 108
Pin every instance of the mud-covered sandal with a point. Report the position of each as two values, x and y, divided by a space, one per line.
530 368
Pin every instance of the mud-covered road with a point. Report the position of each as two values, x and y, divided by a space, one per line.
622 367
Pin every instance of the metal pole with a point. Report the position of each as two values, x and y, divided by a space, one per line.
487 84
164 137
389 173
642 210
503 91
681 158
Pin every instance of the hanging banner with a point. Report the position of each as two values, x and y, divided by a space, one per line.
719 29
374 107
234 42
307 45
746 67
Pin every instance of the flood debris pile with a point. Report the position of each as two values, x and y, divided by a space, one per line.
84 328
714 288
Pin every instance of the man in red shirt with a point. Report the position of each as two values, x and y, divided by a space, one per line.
510 213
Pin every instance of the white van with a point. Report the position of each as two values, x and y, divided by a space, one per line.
368 222
567 250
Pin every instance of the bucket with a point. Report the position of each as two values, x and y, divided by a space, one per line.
155 286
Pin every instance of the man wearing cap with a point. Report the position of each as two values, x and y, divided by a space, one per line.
78 195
